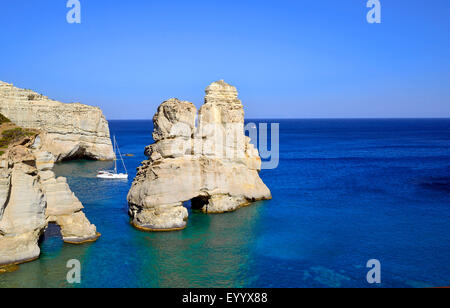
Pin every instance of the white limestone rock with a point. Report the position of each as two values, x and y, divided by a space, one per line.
174 112
30 198
76 228
5 185
23 219
213 164
68 130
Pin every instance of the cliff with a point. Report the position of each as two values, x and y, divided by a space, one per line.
69 131
212 164
31 197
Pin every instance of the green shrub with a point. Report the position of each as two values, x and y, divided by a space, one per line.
3 119
12 135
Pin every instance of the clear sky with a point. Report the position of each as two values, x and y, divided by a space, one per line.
288 58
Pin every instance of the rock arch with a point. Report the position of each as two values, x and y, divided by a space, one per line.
31 197
211 163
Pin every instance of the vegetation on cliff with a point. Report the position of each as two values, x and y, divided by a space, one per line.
77 130
10 136
10 133
3 119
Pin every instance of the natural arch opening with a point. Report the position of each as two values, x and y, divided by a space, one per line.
198 203
79 154
53 230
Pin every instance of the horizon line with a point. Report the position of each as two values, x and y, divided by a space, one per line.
331 118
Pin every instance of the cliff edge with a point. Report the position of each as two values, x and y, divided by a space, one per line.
69 131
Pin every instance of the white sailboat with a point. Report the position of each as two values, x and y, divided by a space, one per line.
113 175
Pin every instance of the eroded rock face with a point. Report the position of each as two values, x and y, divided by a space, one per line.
213 164
23 217
70 130
30 198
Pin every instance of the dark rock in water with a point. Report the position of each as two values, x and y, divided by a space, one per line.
439 184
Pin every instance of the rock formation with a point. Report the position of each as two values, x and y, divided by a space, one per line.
212 164
31 197
71 130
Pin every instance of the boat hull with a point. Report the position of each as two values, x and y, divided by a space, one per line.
120 176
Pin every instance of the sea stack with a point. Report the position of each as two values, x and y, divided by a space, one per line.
31 197
210 163
68 131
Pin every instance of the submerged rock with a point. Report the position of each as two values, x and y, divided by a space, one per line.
68 130
8 268
212 164
31 197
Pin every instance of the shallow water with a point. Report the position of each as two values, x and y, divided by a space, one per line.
345 191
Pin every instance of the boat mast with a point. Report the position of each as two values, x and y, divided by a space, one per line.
115 154
120 154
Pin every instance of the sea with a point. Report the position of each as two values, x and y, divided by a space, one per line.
345 192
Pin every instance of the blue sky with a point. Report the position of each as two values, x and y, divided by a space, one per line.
288 58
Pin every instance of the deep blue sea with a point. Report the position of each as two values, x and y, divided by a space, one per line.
345 192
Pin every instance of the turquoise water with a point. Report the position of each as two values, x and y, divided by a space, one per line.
345 191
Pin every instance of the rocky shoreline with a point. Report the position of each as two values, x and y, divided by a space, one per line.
208 162
35 133
31 197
